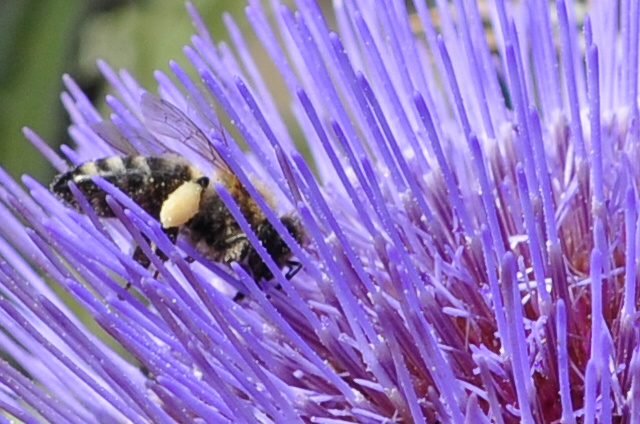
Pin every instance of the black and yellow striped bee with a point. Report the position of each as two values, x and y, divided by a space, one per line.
175 192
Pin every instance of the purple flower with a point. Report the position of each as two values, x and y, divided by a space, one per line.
470 212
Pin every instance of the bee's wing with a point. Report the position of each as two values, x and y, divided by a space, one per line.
110 133
163 118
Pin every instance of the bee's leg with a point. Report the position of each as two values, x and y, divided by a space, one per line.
228 244
140 257
236 250
172 234
294 268
235 239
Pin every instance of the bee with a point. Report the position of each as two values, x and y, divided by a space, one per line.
171 189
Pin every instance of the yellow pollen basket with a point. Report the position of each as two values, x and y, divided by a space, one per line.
181 205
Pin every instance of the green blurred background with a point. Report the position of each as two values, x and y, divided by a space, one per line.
42 40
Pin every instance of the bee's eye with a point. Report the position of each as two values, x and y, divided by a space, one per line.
203 181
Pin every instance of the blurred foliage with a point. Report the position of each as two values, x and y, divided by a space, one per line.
42 40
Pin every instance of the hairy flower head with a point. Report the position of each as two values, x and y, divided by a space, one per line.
470 218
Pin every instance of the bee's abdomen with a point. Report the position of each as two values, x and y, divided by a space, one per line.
147 180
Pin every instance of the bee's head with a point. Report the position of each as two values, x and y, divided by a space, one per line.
275 246
294 226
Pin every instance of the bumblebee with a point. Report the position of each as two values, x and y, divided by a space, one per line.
175 192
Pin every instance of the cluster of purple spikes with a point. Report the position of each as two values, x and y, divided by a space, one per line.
470 209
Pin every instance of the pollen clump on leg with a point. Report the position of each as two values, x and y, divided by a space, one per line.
181 205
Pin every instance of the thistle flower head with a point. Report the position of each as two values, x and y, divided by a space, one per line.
469 204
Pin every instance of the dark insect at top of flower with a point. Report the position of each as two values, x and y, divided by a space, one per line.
175 192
